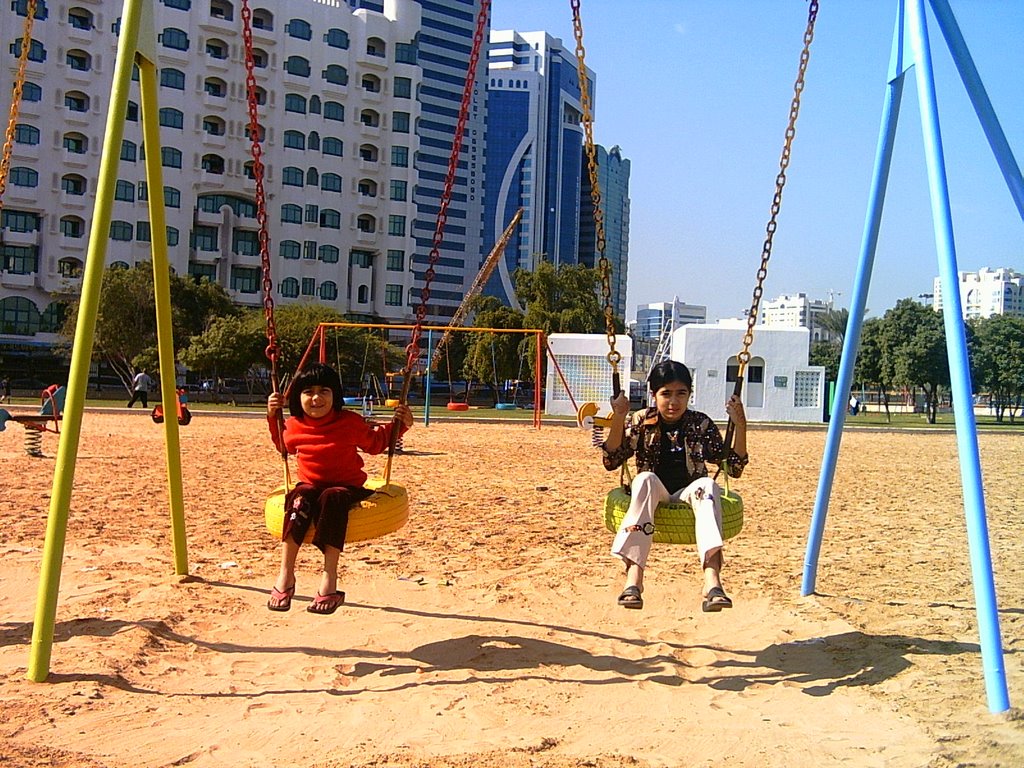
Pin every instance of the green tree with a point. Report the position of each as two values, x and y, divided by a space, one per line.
125 336
493 357
998 361
869 370
834 321
561 300
914 351
232 346
826 354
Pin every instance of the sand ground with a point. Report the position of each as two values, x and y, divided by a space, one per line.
485 632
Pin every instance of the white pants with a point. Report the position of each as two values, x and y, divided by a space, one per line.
647 492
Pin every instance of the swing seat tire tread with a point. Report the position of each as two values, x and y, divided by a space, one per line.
384 512
674 523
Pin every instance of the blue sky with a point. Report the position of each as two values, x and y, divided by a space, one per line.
697 93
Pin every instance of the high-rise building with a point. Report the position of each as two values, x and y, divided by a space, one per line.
653 321
798 311
613 184
986 292
534 152
358 106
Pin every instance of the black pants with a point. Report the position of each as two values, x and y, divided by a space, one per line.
326 509
138 394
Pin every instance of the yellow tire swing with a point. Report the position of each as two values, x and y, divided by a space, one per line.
674 523
387 510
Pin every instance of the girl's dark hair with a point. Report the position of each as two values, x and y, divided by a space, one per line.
666 372
319 375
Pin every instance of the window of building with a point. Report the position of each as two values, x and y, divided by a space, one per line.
221 9
175 38
124 190
36 51
328 290
368 152
24 177
170 157
329 254
291 214
260 58
362 294
131 112
52 318
312 177
308 286
402 87
73 184
19 260
18 315
294 140
263 19
261 95
20 7
293 177
215 87
78 60
369 118
245 241
312 214
199 271
262 132
337 74
214 125
289 288
399 190
405 53
333 147
360 258
79 18
143 231
299 28
393 295
143 191
296 65
366 223
330 182
172 118
69 267
245 279
216 49
76 101
75 143
396 260
314 140
400 122
367 188
129 151
330 219
294 102
26 134
172 236
19 221
400 157
121 230
31 92
333 110
336 38
181 5
396 225
314 105
204 238
371 83
172 197
172 78
213 164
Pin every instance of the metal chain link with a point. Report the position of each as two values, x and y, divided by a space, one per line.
780 182
604 266
412 351
272 350
19 85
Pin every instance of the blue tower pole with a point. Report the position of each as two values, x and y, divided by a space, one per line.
851 341
959 370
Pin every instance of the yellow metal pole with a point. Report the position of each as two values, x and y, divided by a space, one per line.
78 379
162 289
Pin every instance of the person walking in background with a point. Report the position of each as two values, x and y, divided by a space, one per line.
141 385
5 389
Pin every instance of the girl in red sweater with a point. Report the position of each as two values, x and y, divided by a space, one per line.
326 440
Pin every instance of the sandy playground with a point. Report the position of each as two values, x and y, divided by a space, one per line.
485 632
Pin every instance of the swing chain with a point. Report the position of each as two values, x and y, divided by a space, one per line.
19 84
780 182
412 351
604 266
255 131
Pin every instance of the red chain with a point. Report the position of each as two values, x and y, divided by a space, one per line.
412 351
261 197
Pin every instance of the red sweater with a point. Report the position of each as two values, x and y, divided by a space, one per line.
327 449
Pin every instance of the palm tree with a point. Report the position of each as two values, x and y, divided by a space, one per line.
834 322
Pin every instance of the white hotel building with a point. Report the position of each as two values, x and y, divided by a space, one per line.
986 292
339 85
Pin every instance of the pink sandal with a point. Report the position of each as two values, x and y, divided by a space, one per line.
324 605
281 601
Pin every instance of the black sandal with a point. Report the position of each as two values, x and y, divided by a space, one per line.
715 600
631 598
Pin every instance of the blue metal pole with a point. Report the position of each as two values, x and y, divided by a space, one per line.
979 98
851 341
959 370
426 385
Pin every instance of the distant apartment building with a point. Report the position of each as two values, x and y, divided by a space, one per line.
797 311
653 321
986 292
534 153
358 106
613 185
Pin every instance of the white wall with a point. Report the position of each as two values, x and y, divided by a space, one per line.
790 390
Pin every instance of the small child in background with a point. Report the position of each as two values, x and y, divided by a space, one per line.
326 440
